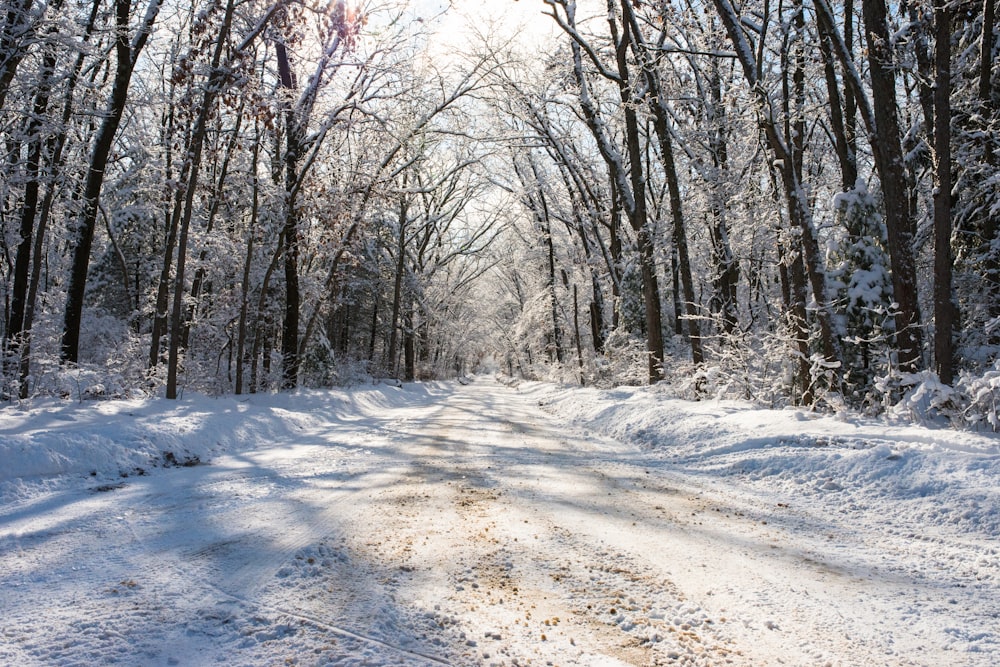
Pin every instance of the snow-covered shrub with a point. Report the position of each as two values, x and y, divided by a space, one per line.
921 397
745 366
983 398
822 374
625 361
112 364
924 398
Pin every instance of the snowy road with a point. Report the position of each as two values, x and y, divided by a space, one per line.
464 526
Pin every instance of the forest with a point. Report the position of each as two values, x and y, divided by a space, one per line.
793 202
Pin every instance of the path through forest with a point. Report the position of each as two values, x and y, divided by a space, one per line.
468 528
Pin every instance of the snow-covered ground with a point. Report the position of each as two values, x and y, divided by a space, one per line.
486 524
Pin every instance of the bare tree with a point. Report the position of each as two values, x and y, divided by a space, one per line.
127 52
627 171
786 147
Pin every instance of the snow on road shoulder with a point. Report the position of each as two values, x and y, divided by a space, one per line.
934 477
913 510
43 443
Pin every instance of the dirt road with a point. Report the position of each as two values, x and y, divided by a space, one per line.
464 527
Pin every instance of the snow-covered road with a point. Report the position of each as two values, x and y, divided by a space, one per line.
465 525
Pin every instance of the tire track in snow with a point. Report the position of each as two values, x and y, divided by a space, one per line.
505 583
239 572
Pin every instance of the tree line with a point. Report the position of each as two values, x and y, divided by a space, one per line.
815 183
792 201
230 195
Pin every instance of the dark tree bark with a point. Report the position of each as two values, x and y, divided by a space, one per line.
881 119
850 100
15 35
627 175
397 287
657 102
54 168
261 348
293 150
846 152
586 205
374 330
986 49
675 276
726 267
545 223
576 337
198 284
638 215
944 308
986 64
886 142
172 203
241 332
29 206
536 201
297 117
409 347
557 343
797 315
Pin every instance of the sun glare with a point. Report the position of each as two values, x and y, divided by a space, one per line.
462 24
348 18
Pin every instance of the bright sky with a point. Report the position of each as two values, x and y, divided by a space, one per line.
463 19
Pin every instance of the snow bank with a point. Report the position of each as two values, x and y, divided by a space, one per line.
932 477
105 439
938 477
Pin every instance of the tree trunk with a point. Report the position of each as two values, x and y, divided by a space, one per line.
241 334
846 155
198 283
657 101
944 308
726 266
799 325
678 230
918 37
892 171
213 87
293 148
29 209
409 347
628 182
397 285
788 159
374 331
793 296
576 329
54 169
171 220
615 254
14 37
986 63
551 284
675 274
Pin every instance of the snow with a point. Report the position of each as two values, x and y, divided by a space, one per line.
488 524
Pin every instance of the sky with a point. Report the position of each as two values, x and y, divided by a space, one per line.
460 21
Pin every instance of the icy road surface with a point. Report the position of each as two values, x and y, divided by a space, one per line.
464 526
